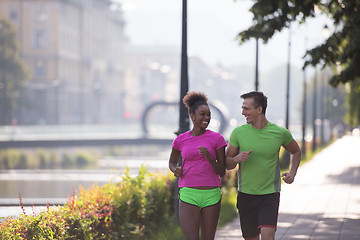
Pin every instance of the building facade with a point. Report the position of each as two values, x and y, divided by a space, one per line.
83 69
74 50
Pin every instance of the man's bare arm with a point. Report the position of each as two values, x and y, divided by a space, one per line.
295 152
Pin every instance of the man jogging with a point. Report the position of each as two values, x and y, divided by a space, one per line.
255 147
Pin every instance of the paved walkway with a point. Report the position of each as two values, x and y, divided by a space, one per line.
324 200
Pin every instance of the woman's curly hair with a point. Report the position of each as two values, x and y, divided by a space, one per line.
193 99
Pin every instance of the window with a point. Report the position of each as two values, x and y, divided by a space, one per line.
40 39
40 15
40 69
13 15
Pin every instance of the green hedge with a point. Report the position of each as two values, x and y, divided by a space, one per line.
46 159
137 208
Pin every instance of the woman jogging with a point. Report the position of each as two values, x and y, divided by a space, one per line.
203 163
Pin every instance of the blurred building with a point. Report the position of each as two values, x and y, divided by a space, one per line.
84 70
152 74
75 52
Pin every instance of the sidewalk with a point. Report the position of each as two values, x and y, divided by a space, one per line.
324 200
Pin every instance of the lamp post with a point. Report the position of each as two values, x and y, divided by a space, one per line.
314 112
286 159
303 149
184 86
326 34
288 83
257 66
184 81
322 85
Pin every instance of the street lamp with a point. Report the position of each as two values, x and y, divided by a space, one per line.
322 85
303 149
286 158
257 66
184 81
288 83
184 87
314 111
326 34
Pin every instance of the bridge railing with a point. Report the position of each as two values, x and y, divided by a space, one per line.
158 130
216 107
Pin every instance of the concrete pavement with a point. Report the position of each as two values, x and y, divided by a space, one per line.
324 200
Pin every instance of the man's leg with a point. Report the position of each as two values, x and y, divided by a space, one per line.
268 215
247 206
267 233
254 238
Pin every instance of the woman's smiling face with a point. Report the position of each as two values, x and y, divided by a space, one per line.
202 116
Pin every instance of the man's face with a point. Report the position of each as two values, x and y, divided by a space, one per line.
249 111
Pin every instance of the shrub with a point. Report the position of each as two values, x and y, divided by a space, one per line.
142 207
46 225
228 202
23 162
136 208
67 161
45 159
85 159
10 158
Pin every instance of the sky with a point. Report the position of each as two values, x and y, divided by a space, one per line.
212 29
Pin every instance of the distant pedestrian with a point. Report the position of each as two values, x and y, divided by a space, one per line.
255 147
203 163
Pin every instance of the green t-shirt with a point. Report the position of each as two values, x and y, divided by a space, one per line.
260 174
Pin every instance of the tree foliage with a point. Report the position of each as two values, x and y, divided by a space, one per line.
342 48
340 51
353 102
13 74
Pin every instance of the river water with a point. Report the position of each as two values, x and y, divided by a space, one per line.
53 185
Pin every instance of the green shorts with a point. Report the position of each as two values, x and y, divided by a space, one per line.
200 198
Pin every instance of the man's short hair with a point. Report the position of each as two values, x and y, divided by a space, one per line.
260 100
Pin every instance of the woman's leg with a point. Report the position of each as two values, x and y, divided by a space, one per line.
209 220
189 216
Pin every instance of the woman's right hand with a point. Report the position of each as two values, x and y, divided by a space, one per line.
178 171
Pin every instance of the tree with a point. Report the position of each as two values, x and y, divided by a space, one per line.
353 102
340 51
13 74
